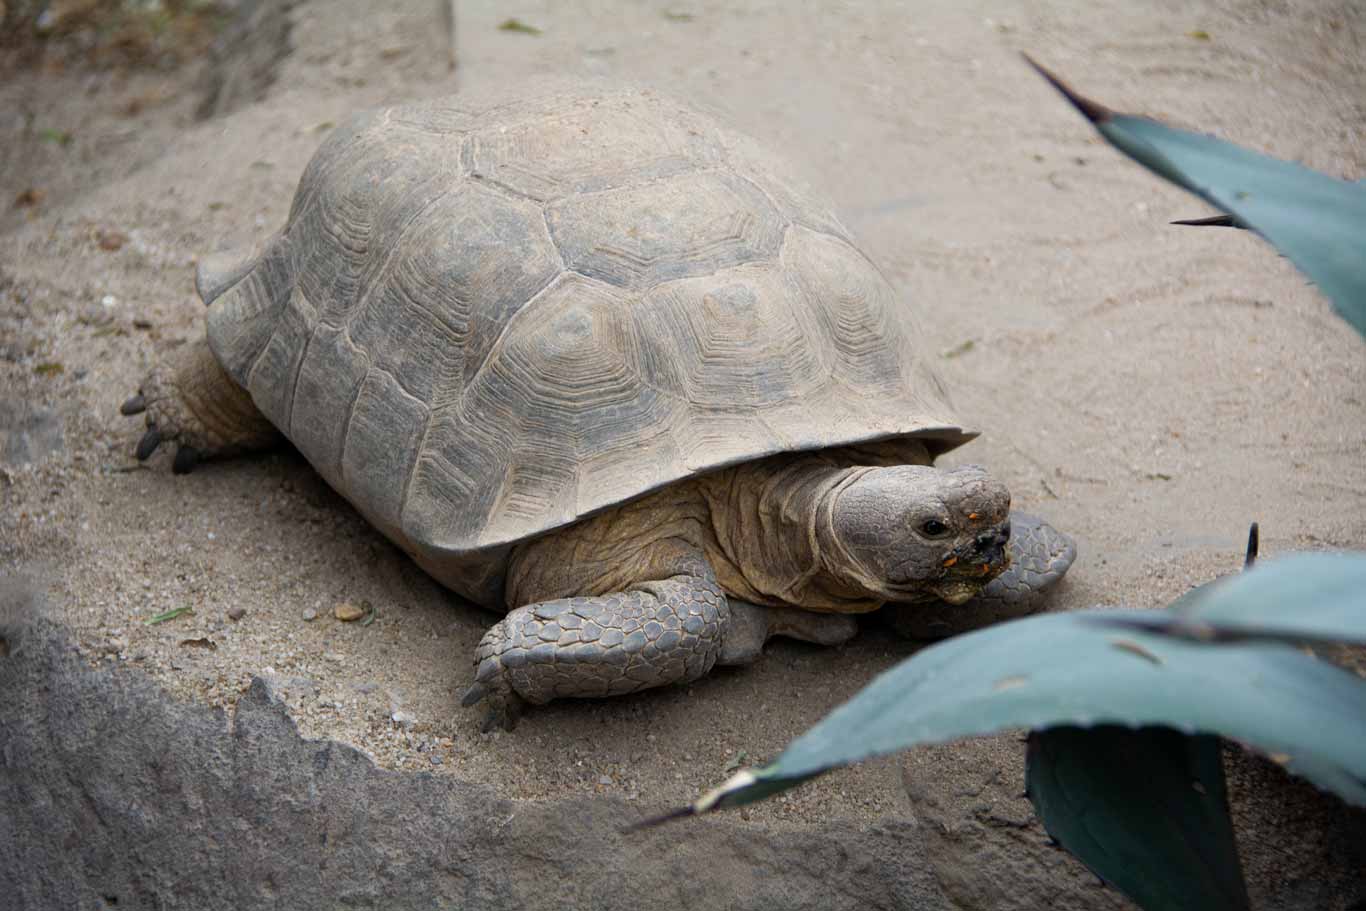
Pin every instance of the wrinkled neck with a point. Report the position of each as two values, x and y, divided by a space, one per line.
836 559
773 523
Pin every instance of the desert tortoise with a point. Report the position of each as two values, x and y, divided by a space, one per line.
593 359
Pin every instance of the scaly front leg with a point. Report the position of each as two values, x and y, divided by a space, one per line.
656 633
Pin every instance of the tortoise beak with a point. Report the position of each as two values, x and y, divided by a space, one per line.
972 565
990 546
955 591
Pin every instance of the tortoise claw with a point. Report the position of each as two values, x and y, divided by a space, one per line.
136 405
149 443
186 458
505 708
474 694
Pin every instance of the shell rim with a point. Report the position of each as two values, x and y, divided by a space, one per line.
948 437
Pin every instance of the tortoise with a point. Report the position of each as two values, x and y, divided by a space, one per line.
597 361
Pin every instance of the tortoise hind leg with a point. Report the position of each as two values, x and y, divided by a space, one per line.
657 633
193 403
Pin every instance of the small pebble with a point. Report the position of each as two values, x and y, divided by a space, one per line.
310 614
236 613
436 760
403 718
347 612
604 780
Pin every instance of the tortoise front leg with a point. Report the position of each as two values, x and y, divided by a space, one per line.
1040 556
191 402
657 633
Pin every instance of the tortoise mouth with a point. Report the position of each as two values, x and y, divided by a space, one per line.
958 587
975 574
981 559
962 573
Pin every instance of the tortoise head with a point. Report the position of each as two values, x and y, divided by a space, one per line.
909 532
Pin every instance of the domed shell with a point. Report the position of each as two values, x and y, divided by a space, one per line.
485 322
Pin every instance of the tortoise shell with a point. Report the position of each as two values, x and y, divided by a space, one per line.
483 322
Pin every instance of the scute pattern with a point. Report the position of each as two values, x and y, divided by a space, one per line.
349 226
636 237
274 369
599 147
453 287
484 321
325 389
245 317
738 329
854 307
790 194
376 476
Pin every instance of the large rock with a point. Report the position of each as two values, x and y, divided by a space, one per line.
115 795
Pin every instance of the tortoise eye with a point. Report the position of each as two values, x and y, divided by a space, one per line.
934 528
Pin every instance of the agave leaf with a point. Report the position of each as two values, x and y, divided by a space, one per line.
1317 221
1300 597
1077 669
1145 809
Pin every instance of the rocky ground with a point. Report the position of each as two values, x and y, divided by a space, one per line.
1150 389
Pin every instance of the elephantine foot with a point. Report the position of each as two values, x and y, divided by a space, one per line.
658 633
192 404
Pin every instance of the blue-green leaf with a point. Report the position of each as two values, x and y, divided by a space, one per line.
1077 669
1318 222
1300 597
1145 809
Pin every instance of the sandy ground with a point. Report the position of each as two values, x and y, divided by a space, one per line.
1148 388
